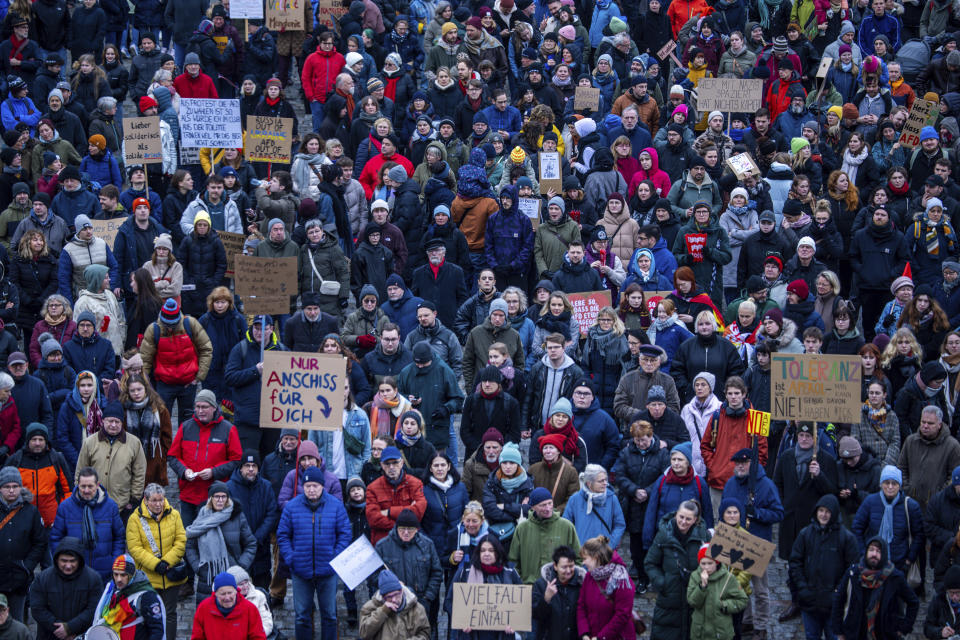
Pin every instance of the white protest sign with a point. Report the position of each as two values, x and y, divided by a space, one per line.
246 9
356 562
210 123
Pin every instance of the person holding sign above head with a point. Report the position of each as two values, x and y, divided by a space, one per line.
393 612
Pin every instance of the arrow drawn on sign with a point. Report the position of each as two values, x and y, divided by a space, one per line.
326 406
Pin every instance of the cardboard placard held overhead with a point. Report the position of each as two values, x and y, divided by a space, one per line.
586 306
255 276
246 9
268 139
824 67
209 123
666 50
107 229
729 95
917 120
329 11
815 387
586 98
492 607
232 245
302 391
739 549
551 178
285 15
356 562
530 207
141 140
743 165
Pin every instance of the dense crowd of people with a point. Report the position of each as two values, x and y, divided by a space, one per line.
451 198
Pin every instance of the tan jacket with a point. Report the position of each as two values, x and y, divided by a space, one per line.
544 475
168 282
121 464
475 474
377 622
622 232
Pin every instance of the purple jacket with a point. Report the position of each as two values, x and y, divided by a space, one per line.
331 485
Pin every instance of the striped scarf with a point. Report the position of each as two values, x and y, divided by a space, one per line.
930 231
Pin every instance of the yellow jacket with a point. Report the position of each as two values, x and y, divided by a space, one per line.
168 534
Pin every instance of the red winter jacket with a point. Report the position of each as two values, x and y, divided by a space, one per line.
9 425
200 87
320 73
242 623
778 100
383 495
197 446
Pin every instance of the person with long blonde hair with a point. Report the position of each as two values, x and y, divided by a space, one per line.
901 358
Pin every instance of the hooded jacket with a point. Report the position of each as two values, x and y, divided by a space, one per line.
669 564
71 599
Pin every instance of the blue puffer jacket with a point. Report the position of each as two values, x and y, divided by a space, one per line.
604 519
608 84
111 536
670 340
866 524
204 262
59 380
224 331
766 502
403 312
243 380
70 432
91 354
444 509
127 196
665 498
509 237
69 204
103 170
309 543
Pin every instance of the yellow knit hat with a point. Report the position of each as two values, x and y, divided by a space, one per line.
447 28
517 155
837 111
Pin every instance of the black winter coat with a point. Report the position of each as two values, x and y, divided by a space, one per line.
711 354
909 405
23 541
417 456
259 56
878 256
224 331
89 89
755 250
939 615
942 517
557 619
494 494
636 469
862 480
148 14
668 564
377 365
504 416
210 56
445 101
299 334
448 291
69 126
415 563
536 390
35 280
204 262
142 68
801 495
51 24
819 557
118 78
72 599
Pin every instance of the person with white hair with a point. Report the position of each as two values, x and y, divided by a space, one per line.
595 510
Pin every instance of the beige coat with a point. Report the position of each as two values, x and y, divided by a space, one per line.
121 464
377 622
168 282
622 232
104 304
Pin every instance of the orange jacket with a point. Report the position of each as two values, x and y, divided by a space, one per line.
471 215
725 435
682 10
45 475
381 495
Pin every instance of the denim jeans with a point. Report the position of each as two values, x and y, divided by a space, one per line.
452 447
316 112
179 53
325 591
817 625
184 396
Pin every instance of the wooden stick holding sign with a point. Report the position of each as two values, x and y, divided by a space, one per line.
739 549
666 51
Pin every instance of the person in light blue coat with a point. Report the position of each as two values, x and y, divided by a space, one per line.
354 444
646 275
603 12
595 510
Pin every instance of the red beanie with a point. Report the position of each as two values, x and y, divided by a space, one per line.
556 439
146 102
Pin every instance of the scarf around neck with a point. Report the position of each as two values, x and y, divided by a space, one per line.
613 574
851 163
514 483
212 547
144 423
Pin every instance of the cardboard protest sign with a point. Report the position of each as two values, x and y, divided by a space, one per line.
586 306
356 562
492 607
255 276
667 50
265 303
285 15
107 229
586 98
246 9
189 155
729 95
824 67
743 166
268 139
550 177
917 120
141 140
815 387
329 11
232 245
741 550
210 123
530 207
302 390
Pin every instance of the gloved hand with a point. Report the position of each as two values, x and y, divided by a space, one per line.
440 413
344 303
751 513
889 321
929 41
366 341
162 567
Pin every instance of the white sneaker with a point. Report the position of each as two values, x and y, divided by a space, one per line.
133 50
